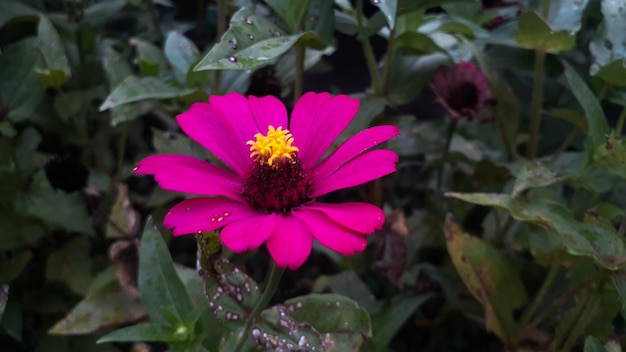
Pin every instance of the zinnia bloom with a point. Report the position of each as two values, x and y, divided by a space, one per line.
462 90
276 172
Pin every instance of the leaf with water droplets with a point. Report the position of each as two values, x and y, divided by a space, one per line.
250 42
231 293
535 174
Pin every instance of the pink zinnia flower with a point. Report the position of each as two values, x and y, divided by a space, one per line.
463 90
276 173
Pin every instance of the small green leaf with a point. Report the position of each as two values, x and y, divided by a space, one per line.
134 89
105 307
55 64
611 156
152 62
295 12
571 116
413 43
71 264
389 8
489 276
614 73
535 174
181 54
534 33
250 42
596 121
161 288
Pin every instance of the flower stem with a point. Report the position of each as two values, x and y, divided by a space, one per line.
384 86
222 9
620 122
368 52
272 284
589 310
535 110
299 83
446 151
545 285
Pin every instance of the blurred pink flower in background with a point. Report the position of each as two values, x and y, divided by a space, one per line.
463 90
276 172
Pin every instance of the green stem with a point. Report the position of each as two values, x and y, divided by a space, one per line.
446 151
556 304
537 100
563 147
222 10
589 310
545 285
155 22
620 122
122 151
508 146
272 284
384 85
299 83
368 52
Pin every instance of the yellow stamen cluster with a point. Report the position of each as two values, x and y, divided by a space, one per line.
274 145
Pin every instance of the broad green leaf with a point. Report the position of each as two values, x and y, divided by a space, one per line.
489 276
26 148
611 156
10 10
579 238
413 43
72 265
571 116
101 12
389 8
614 73
162 290
59 208
250 42
21 90
596 121
592 344
535 174
106 307
295 12
181 54
388 322
56 68
117 70
144 332
134 89
152 62
609 41
349 284
18 230
10 269
68 104
534 33
410 75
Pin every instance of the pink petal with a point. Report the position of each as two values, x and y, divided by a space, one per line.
291 242
353 147
317 120
223 126
360 217
331 234
248 234
186 174
205 214
268 111
364 168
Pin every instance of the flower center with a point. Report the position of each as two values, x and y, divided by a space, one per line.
464 96
278 181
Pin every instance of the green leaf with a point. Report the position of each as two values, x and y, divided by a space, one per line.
350 285
20 91
250 42
101 12
614 73
489 276
535 174
168 142
571 116
611 157
232 294
26 148
596 121
181 54
105 307
134 89
609 41
161 288
10 10
295 12
152 62
387 323
56 68
71 264
389 8
18 230
534 33
413 43
59 208
410 75
143 332
117 70
579 238
592 344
